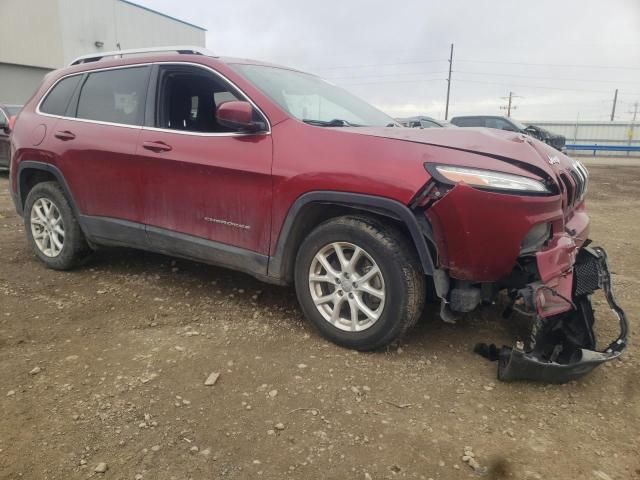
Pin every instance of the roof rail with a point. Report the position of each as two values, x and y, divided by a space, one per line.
183 49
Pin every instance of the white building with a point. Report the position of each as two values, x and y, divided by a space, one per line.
37 36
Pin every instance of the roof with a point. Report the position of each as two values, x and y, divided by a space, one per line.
163 14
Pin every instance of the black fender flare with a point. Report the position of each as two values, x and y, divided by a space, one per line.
46 167
357 201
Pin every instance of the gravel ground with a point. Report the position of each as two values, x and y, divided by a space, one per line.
103 373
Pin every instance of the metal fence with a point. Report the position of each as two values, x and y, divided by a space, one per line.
597 138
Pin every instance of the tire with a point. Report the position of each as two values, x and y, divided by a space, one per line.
401 281
73 244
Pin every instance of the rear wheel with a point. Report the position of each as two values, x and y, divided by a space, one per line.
359 282
51 227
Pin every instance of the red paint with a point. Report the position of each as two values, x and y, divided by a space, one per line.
235 113
181 181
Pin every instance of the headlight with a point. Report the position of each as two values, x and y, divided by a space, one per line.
487 179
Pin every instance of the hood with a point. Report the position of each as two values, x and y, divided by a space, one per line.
514 148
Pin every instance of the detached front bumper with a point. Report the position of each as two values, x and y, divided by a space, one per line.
562 346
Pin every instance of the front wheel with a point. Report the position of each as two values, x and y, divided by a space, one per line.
359 282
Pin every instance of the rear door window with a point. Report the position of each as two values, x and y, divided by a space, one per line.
58 98
114 96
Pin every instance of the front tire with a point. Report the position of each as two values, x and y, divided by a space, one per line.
52 229
359 282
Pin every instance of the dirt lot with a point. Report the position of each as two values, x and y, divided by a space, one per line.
124 344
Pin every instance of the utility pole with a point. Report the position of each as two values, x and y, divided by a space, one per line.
446 108
509 105
632 127
615 100
635 111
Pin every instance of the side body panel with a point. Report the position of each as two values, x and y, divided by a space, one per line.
100 167
213 187
308 158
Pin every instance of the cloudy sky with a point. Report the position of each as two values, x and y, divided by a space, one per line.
563 59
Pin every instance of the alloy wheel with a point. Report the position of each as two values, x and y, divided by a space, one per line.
347 286
47 227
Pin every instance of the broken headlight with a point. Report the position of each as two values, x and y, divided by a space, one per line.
535 238
487 179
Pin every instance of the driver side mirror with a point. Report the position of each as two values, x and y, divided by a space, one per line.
4 124
238 115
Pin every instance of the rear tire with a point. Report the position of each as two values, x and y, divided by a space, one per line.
52 229
364 304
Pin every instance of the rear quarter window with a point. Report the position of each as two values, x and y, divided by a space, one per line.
58 98
114 96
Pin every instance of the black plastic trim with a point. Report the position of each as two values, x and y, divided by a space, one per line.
114 232
46 167
123 233
368 203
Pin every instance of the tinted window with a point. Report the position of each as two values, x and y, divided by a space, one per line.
115 96
500 124
469 122
428 124
188 99
58 98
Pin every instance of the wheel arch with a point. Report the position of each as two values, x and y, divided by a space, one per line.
312 208
30 173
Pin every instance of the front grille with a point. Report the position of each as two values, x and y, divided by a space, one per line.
568 187
574 181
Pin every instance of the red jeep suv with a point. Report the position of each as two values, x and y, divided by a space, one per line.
279 174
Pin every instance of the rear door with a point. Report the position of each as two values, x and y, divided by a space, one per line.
97 139
201 179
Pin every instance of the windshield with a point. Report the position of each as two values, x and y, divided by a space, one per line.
311 99
518 124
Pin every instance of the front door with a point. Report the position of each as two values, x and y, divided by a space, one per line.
202 181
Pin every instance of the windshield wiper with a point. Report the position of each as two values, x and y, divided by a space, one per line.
336 122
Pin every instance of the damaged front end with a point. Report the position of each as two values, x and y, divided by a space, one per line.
530 240
562 346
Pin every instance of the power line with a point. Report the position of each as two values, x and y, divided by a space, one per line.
394 81
538 86
376 65
625 67
419 62
384 75
544 78
489 74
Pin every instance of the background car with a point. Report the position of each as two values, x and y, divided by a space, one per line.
422 121
511 125
7 117
556 141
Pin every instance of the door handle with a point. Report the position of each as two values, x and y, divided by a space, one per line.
64 135
156 146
